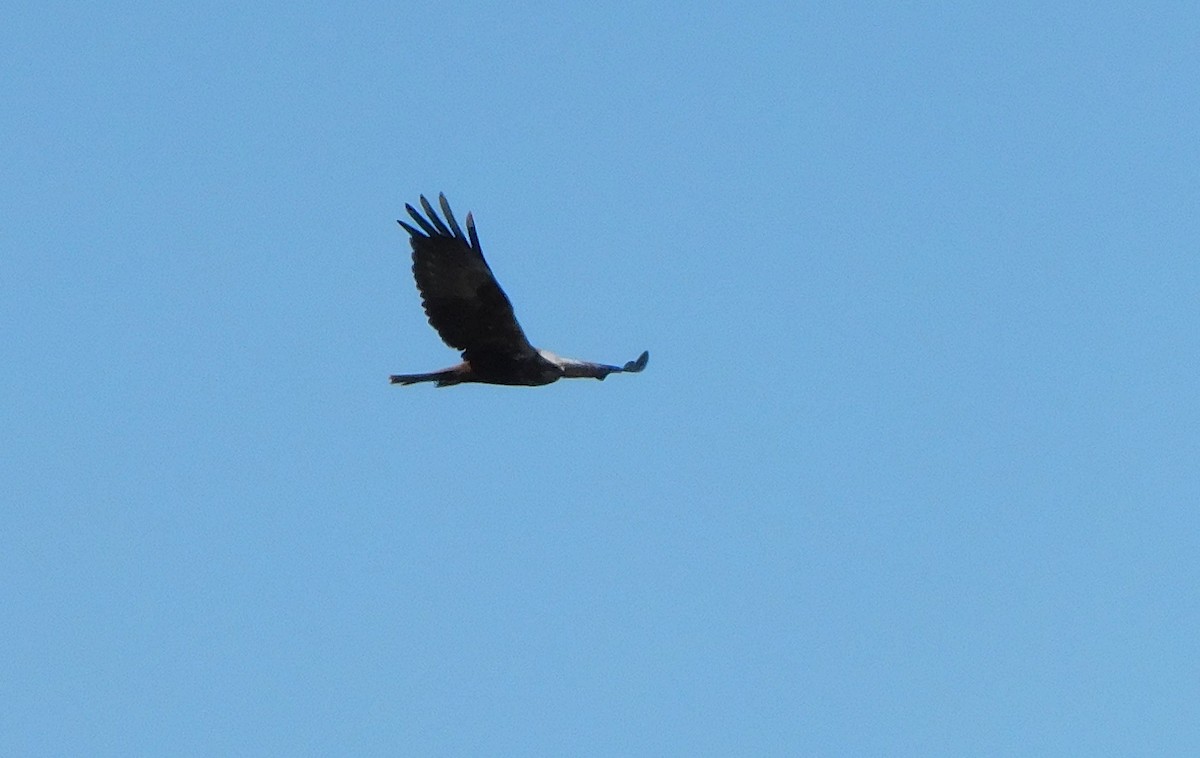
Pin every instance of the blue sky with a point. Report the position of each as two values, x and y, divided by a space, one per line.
912 470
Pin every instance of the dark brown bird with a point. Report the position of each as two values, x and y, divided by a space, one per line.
468 309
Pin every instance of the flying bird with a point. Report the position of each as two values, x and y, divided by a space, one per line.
472 314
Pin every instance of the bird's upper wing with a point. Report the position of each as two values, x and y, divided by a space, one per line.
460 295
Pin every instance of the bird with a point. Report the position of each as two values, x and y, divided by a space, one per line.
471 313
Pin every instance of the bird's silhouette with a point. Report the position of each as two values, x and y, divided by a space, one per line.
472 314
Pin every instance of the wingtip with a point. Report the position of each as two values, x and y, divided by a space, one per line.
634 367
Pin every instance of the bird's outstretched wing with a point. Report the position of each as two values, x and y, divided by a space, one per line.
573 369
460 295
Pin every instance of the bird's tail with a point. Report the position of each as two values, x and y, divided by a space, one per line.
444 378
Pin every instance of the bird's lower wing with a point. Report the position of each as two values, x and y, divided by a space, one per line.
582 369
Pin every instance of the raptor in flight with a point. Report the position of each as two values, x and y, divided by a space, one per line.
472 314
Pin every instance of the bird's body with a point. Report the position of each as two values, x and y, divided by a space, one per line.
468 309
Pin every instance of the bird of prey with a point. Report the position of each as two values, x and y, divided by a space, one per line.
472 314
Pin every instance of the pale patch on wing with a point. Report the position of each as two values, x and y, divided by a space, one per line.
560 361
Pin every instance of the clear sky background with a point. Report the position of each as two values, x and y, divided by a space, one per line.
912 471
